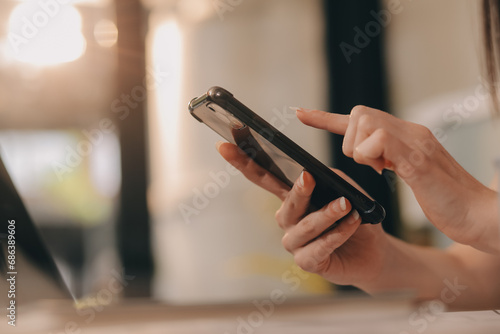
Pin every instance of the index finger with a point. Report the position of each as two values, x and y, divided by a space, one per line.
335 123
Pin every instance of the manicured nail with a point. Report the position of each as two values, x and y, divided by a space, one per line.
301 179
218 144
355 216
343 205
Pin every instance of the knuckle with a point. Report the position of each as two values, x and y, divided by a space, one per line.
278 216
330 213
423 131
358 110
291 203
383 135
331 238
285 241
365 122
347 150
307 227
358 158
324 248
306 263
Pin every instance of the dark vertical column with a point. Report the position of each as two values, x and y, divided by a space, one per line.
133 228
354 44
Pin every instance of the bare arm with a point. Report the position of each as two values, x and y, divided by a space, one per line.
461 277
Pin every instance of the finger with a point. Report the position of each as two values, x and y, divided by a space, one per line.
315 257
296 202
251 170
334 123
315 223
372 129
350 135
375 150
365 127
363 122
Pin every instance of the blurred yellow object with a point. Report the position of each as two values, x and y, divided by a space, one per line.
282 269
77 198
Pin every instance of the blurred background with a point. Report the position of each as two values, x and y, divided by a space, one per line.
94 127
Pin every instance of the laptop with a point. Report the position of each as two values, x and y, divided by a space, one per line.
28 272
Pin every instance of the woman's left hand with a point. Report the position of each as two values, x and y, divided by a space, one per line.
349 254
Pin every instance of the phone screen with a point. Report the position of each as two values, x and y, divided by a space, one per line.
256 145
267 146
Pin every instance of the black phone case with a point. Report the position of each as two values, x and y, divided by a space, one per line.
329 185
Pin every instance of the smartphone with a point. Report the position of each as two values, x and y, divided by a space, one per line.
276 153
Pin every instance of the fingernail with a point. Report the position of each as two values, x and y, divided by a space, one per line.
218 144
301 179
355 216
343 205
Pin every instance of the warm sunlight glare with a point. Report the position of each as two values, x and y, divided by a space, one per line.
106 33
167 56
46 33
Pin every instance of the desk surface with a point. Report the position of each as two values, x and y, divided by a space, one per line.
260 316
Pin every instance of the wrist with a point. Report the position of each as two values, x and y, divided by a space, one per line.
382 279
485 219
408 268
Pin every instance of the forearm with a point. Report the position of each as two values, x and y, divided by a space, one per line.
456 277
485 216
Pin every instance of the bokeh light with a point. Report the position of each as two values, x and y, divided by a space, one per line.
42 34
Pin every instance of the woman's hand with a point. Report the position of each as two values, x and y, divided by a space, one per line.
348 254
455 202
363 255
